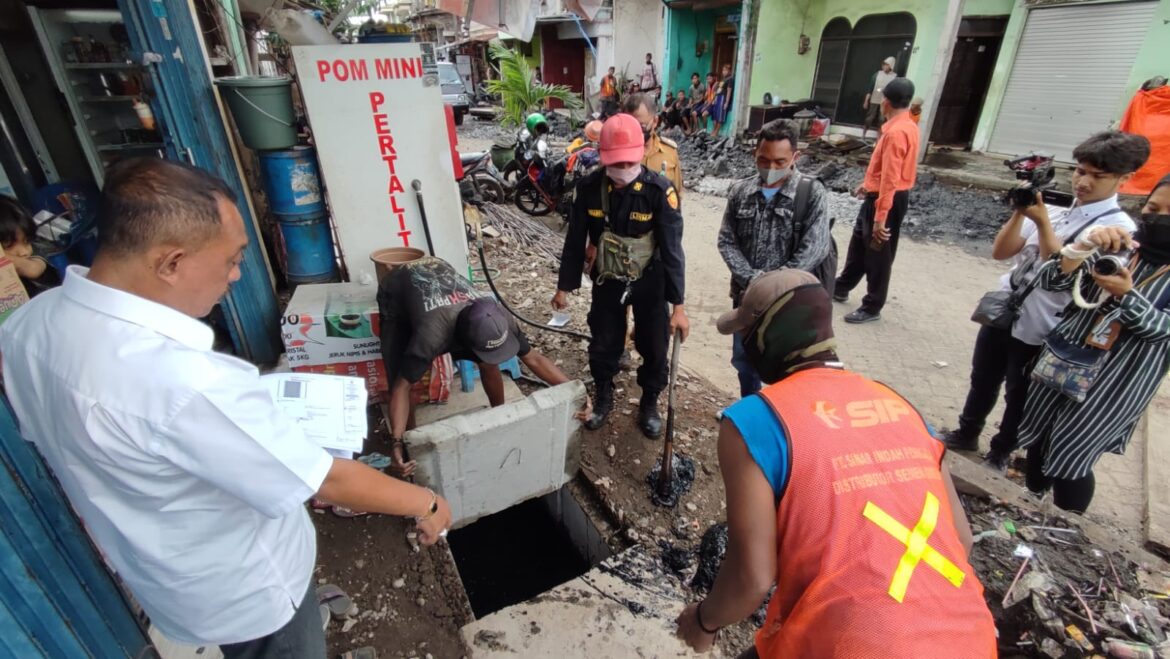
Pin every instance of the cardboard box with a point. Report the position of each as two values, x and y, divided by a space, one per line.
12 293
335 329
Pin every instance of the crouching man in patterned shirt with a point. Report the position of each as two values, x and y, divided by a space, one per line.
779 219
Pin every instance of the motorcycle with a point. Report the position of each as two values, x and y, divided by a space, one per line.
546 186
482 181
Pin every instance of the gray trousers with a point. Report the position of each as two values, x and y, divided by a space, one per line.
300 638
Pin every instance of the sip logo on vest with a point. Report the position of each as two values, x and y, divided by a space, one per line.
861 413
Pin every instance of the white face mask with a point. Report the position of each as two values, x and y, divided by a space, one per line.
770 177
623 175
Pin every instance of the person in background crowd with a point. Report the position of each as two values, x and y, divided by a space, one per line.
698 93
892 170
649 83
703 111
187 476
17 232
1031 236
428 310
674 114
813 507
661 153
872 104
630 208
916 109
609 94
1129 332
721 106
762 230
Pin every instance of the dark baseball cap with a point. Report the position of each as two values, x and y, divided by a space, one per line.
763 292
899 92
485 327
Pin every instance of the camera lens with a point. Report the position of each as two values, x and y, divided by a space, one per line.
1108 265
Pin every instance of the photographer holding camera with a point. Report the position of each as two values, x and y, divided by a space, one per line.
1102 364
1004 355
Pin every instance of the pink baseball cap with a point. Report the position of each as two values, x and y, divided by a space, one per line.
621 140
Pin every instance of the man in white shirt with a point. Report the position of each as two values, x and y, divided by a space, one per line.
1030 237
186 475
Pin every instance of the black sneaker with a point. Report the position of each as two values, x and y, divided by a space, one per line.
602 405
997 461
841 297
956 440
862 316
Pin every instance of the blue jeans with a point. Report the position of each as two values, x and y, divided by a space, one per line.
749 379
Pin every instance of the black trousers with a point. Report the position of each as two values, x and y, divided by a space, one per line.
999 359
607 323
873 264
1071 494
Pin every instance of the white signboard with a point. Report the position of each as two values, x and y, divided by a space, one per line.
379 126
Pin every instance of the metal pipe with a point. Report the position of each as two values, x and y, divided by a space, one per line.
666 473
422 213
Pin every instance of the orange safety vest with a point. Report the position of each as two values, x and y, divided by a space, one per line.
869 563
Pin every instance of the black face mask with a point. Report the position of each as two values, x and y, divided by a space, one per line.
1153 235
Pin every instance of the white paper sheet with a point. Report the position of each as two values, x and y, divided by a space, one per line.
329 409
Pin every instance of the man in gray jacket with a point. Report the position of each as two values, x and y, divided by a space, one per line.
778 219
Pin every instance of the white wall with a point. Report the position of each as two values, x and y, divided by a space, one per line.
638 28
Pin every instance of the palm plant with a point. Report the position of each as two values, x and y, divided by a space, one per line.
518 90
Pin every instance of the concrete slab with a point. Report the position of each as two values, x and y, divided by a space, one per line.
488 460
1157 468
462 402
625 607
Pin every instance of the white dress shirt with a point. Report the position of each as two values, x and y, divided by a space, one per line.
184 472
1042 309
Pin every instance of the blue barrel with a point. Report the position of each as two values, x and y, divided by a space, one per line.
308 248
291 181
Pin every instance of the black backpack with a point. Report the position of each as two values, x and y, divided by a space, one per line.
826 271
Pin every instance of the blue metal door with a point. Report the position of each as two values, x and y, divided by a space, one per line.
194 131
56 598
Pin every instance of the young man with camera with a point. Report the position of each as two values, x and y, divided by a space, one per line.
1030 237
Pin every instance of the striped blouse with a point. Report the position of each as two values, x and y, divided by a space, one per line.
1079 433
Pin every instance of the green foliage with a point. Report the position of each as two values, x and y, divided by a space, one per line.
518 90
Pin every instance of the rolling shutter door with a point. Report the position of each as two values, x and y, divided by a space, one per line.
1068 77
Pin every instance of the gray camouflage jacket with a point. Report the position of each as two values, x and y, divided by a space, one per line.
759 236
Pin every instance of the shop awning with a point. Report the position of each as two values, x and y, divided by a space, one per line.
516 17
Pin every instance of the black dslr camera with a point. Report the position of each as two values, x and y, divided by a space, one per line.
1036 171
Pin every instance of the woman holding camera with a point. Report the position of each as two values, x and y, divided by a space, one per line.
1103 363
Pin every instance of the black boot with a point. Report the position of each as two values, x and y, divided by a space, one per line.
958 440
602 405
649 420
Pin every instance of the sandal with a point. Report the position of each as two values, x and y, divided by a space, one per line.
366 652
339 604
342 511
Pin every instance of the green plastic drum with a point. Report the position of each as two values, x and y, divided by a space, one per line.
263 110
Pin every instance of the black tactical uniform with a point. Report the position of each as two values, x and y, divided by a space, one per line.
649 205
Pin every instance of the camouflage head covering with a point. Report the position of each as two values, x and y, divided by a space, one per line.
796 330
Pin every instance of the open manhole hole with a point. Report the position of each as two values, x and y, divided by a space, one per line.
516 554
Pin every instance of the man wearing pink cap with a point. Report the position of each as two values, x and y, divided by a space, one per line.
631 215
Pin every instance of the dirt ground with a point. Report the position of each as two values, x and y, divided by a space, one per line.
919 348
409 604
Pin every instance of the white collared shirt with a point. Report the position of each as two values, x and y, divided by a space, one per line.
184 472
1041 310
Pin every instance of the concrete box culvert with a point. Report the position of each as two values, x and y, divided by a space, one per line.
487 461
